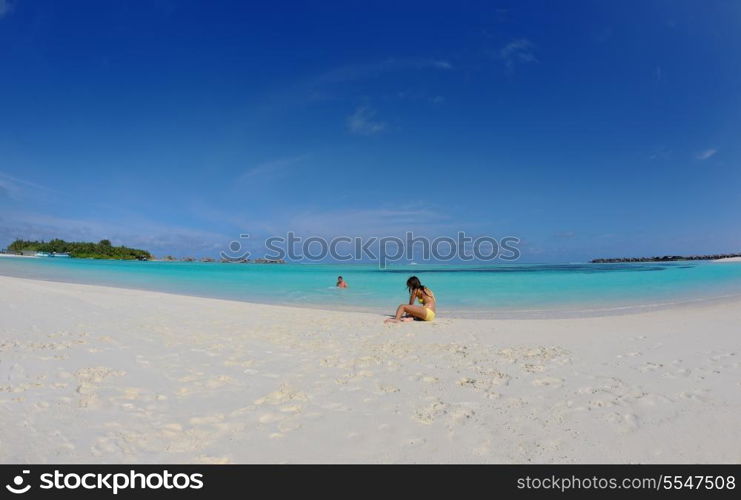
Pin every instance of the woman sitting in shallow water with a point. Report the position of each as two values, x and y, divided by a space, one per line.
410 312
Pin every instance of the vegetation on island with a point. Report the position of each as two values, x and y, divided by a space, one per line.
105 250
81 249
666 258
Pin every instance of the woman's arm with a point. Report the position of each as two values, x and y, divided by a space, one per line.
411 298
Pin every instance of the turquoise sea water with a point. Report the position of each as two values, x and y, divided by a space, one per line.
500 290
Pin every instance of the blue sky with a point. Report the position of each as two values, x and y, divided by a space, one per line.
587 129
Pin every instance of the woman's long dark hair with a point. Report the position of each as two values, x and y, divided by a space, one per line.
413 284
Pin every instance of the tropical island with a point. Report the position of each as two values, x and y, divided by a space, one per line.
666 258
80 249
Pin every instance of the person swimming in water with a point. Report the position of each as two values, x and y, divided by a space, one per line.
410 312
341 283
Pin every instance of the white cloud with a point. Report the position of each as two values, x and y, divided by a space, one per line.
17 189
272 168
518 51
368 221
441 64
141 233
339 82
704 155
8 189
565 235
660 153
370 70
413 95
362 122
5 8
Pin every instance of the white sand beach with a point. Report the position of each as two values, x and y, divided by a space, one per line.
729 259
90 374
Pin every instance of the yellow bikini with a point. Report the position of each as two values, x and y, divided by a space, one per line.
429 314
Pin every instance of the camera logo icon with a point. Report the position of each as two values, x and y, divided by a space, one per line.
236 251
17 486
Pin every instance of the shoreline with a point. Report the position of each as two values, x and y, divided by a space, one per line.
557 312
96 374
728 259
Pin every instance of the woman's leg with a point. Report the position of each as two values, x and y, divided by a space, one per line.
415 311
